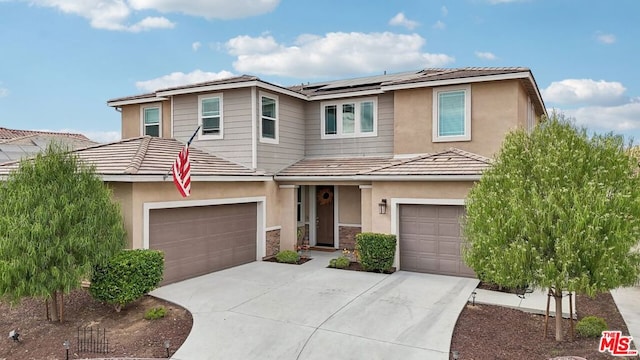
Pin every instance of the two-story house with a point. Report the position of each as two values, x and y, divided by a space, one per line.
395 153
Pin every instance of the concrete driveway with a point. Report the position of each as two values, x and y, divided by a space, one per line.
267 310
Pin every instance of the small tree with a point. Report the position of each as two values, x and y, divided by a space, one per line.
57 220
558 210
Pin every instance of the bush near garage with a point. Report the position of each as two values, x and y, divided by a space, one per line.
127 276
376 251
288 256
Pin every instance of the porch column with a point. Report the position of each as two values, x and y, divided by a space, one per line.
288 217
365 207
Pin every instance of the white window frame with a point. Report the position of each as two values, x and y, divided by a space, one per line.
300 205
143 125
202 136
436 114
275 120
357 129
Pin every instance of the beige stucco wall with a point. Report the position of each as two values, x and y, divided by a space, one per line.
415 190
494 112
132 123
522 107
122 194
132 197
349 205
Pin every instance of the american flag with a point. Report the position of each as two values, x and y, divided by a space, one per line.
182 169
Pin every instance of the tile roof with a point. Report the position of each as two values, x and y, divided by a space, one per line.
149 156
448 162
28 145
14 133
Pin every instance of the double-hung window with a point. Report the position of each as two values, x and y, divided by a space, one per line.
210 116
348 118
151 120
269 118
452 113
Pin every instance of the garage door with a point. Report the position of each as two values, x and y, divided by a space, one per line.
430 239
199 240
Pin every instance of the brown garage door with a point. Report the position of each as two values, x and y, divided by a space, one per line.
430 239
202 239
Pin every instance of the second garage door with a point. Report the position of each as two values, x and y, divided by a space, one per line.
202 239
430 239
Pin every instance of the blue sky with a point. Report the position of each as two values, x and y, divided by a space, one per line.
61 60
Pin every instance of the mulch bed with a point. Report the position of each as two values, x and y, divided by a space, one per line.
355 266
299 262
494 332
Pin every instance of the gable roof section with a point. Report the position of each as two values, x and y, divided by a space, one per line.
14 133
150 159
451 164
20 144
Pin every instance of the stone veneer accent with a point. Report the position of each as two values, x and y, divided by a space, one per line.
273 242
347 236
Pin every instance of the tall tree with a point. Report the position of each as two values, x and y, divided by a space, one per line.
57 220
558 210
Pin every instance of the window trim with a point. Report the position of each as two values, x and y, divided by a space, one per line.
202 136
300 204
436 114
357 132
276 120
143 126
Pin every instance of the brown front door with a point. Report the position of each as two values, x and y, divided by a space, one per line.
324 221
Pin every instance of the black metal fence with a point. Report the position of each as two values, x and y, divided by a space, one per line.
93 340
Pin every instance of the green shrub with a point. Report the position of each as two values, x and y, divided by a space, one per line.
341 263
376 251
591 326
288 256
155 313
127 276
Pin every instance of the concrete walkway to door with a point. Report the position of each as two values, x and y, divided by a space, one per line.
266 310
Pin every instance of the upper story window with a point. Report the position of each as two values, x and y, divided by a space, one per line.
210 116
349 118
452 113
151 116
269 118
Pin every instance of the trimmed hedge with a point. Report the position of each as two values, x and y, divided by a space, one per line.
591 326
288 256
127 276
376 251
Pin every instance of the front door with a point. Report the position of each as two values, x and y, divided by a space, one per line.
324 213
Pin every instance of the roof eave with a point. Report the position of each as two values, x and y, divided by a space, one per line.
194 178
457 81
234 85
116 103
378 178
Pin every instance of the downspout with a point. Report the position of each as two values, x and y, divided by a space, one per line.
254 130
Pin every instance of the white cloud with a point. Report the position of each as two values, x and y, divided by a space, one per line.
440 25
106 14
444 11
401 20
585 91
606 38
4 92
196 46
210 9
180 78
115 14
485 55
334 54
618 118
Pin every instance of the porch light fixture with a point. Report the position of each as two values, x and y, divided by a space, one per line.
383 206
14 335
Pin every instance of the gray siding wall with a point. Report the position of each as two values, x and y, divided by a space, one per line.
365 146
290 147
236 107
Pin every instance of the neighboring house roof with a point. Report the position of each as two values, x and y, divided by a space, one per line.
449 164
150 158
369 85
19 144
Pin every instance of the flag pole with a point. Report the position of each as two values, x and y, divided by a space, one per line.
164 177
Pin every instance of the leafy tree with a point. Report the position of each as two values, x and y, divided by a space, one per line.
57 220
558 210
